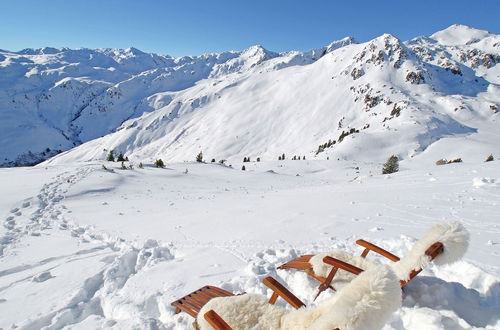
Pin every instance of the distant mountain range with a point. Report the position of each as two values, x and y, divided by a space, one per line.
347 100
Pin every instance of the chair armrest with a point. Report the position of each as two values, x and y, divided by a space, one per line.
372 247
434 250
342 265
216 321
280 290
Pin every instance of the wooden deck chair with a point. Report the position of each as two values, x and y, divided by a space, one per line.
193 302
365 303
444 243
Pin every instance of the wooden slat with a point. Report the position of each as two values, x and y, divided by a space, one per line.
284 293
187 307
377 249
219 292
300 263
311 273
216 321
193 302
343 265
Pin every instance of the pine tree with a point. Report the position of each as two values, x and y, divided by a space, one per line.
258 159
391 166
213 160
111 156
199 157
243 168
490 158
303 157
141 165
120 158
159 163
283 157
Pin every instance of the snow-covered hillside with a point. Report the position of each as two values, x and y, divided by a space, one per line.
54 99
89 248
89 244
395 97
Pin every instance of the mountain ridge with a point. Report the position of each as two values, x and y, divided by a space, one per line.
124 96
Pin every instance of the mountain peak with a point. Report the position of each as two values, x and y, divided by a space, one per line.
458 34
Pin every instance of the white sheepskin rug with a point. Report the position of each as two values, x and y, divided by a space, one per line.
247 311
455 239
366 303
452 234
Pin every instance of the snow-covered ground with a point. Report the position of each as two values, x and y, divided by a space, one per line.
84 247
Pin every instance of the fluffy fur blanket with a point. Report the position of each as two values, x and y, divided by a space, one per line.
452 234
365 303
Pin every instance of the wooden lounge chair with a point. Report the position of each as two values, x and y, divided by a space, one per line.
365 303
193 302
444 243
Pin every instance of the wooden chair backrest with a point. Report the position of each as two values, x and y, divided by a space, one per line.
432 251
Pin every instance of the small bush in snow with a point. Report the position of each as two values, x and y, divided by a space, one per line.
159 163
490 158
141 165
111 156
442 162
199 157
213 160
243 168
123 166
258 159
222 161
391 166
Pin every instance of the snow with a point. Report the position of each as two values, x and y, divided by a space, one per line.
87 244
268 103
98 248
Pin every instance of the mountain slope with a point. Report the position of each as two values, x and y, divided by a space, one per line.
360 101
395 97
53 99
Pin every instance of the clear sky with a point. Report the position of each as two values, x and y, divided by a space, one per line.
186 27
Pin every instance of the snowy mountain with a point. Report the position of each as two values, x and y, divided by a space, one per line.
345 100
91 244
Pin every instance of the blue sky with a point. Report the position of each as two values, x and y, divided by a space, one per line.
186 27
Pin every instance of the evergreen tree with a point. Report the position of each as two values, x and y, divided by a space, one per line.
120 158
258 159
213 160
243 168
391 166
283 157
490 158
111 156
141 165
159 163
199 157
